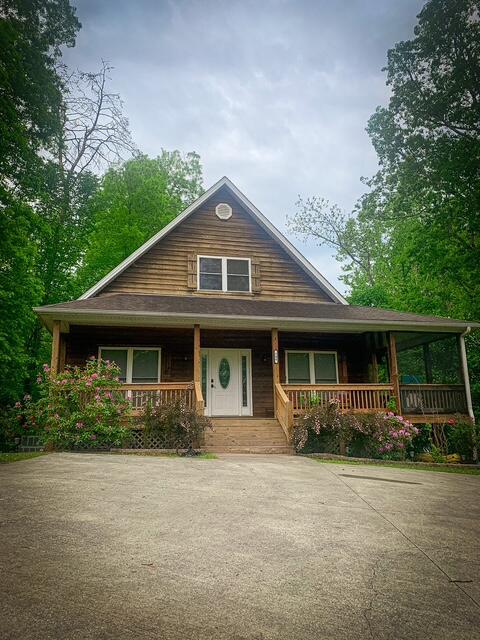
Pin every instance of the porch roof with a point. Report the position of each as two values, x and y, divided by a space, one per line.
142 310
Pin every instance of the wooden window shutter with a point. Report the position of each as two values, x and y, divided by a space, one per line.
192 271
256 283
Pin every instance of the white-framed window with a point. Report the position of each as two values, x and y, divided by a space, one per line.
311 367
220 273
138 365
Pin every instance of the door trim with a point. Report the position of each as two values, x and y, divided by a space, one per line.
241 410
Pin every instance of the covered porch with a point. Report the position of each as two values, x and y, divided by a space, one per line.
272 373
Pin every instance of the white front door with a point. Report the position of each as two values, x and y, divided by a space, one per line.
228 382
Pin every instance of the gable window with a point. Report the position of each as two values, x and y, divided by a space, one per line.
311 367
137 365
223 274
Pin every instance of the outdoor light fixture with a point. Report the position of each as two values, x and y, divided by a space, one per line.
275 356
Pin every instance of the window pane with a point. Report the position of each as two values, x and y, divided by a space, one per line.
238 283
119 356
211 282
145 366
244 382
204 378
298 368
210 265
237 267
325 368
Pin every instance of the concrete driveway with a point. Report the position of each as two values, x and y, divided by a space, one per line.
107 546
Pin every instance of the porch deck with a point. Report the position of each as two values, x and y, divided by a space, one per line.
420 402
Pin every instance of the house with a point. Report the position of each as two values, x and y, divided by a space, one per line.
219 308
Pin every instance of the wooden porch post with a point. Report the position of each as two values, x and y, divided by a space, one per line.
394 377
56 337
374 367
427 357
197 369
275 364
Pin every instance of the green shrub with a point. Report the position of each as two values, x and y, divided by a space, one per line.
176 425
462 437
82 407
383 435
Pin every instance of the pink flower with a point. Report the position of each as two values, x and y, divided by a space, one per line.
64 381
46 368
26 397
94 376
79 425
88 383
451 421
93 437
18 405
39 379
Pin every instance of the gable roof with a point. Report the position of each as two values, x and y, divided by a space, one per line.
253 211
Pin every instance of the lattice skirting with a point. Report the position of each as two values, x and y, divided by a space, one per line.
139 439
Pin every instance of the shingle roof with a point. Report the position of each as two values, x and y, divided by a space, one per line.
139 304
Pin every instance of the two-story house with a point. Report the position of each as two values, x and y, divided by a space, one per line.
221 309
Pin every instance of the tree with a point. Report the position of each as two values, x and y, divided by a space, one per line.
31 34
94 135
133 203
413 241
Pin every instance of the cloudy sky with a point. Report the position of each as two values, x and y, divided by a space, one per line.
275 94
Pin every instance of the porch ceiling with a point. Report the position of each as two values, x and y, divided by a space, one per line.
216 312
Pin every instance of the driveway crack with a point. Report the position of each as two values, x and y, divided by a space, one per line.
412 542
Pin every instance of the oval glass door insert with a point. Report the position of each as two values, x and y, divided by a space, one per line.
224 373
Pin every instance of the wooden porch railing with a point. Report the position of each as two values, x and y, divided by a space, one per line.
160 393
199 402
360 398
284 411
432 399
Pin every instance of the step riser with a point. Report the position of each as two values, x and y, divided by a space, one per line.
246 435
256 450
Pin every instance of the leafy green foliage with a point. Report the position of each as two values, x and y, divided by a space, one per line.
412 242
176 424
135 201
31 35
79 407
378 434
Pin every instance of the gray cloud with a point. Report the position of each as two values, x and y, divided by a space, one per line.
275 94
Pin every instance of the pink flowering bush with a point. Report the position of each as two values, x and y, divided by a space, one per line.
80 407
327 428
393 435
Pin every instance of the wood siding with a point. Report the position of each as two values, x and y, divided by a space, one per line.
164 268
178 348
177 353
352 353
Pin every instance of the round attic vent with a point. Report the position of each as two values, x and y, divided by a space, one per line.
223 211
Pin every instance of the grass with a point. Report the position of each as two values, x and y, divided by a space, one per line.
206 455
5 458
463 470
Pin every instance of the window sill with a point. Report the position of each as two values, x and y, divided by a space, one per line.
205 292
